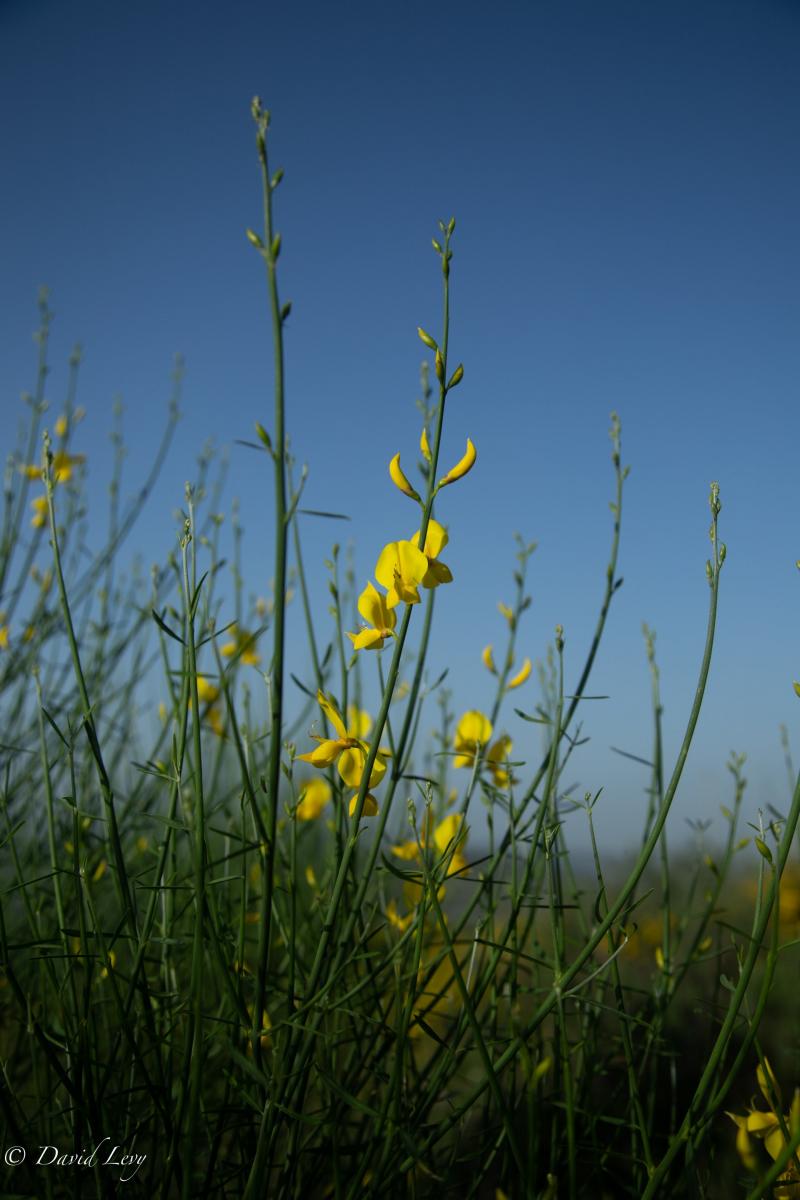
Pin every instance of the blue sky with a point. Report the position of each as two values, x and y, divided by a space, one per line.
626 180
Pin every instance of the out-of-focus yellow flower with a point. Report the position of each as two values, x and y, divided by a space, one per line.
449 832
464 464
39 506
99 870
349 753
521 675
374 608
394 918
3 637
424 445
162 712
243 646
61 427
207 692
311 878
314 795
62 466
111 963
142 844
661 962
264 1032
488 659
262 607
506 612
435 541
28 633
215 721
400 481
496 758
401 568
473 731
359 722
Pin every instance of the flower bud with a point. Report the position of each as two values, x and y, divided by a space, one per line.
424 445
254 239
439 365
488 659
426 338
464 464
521 675
457 376
400 481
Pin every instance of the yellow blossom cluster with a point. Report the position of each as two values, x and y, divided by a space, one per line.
61 468
349 752
474 730
771 1129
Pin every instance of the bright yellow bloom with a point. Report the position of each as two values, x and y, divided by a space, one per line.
464 464
449 832
435 541
349 753
766 1127
473 731
521 675
39 506
424 445
370 808
497 756
314 795
242 646
359 722
374 608
488 659
401 568
400 481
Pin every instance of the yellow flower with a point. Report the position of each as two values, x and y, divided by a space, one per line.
359 722
311 878
472 732
464 464
435 541
314 795
373 608
61 467
400 481
111 963
207 693
521 675
370 808
39 506
394 918
214 719
424 445
349 753
506 612
488 659
60 427
449 832
3 637
401 568
243 646
496 757
766 1127
100 870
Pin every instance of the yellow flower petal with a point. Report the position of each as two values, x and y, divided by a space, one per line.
424 445
351 767
488 659
370 808
359 722
401 568
332 713
447 831
314 795
521 675
324 754
435 539
474 727
406 850
394 918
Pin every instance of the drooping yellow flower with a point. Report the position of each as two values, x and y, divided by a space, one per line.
521 675
374 608
497 757
401 568
39 506
349 753
435 541
464 464
488 659
473 731
424 445
314 795
400 481
370 808
243 646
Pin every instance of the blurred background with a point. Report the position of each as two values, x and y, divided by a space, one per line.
626 182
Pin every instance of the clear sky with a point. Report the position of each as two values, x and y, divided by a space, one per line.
626 180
